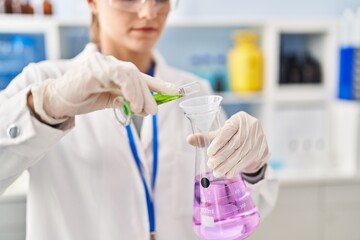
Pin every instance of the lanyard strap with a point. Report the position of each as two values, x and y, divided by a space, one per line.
149 200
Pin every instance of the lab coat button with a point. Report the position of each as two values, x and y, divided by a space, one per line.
13 131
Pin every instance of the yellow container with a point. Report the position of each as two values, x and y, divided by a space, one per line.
245 63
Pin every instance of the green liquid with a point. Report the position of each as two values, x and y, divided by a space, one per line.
159 99
162 98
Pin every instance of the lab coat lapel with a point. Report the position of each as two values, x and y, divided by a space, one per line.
160 72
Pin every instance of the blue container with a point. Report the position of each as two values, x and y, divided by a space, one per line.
18 50
346 73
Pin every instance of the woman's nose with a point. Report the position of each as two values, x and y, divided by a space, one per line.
148 9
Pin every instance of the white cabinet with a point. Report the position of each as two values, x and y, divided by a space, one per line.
296 115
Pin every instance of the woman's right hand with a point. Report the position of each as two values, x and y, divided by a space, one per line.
93 86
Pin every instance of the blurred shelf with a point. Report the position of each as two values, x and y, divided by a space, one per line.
241 98
74 23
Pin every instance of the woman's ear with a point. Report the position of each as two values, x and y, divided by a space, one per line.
92 6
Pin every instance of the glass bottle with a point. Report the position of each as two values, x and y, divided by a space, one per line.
47 7
8 6
16 7
223 208
245 63
26 7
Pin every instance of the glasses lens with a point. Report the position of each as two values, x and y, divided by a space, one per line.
126 5
136 5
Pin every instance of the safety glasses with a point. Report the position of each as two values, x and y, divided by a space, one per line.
136 5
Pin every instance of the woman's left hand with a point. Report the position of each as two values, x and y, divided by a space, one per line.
239 146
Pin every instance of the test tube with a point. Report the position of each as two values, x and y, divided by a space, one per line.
124 114
189 88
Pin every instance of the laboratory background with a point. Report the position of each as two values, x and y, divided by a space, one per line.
295 65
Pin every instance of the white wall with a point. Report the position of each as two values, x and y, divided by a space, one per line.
262 10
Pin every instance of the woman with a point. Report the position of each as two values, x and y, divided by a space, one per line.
84 180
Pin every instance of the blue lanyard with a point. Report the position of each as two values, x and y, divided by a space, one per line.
149 200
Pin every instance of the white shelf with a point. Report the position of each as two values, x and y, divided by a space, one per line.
304 93
73 23
33 20
15 22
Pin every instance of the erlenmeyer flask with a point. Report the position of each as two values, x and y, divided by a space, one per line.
223 208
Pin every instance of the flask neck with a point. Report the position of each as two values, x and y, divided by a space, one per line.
204 123
203 113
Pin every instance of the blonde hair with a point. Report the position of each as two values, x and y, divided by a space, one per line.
95 29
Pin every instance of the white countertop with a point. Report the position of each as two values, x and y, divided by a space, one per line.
17 191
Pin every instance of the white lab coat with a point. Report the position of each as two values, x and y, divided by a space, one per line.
84 183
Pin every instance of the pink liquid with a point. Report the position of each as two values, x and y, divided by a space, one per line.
223 209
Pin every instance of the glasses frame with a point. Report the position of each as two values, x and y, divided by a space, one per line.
136 5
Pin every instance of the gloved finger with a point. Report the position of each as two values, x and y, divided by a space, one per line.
249 160
196 140
227 158
149 104
160 86
235 144
136 93
261 156
100 101
117 104
226 133
238 168
200 140
133 92
241 158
